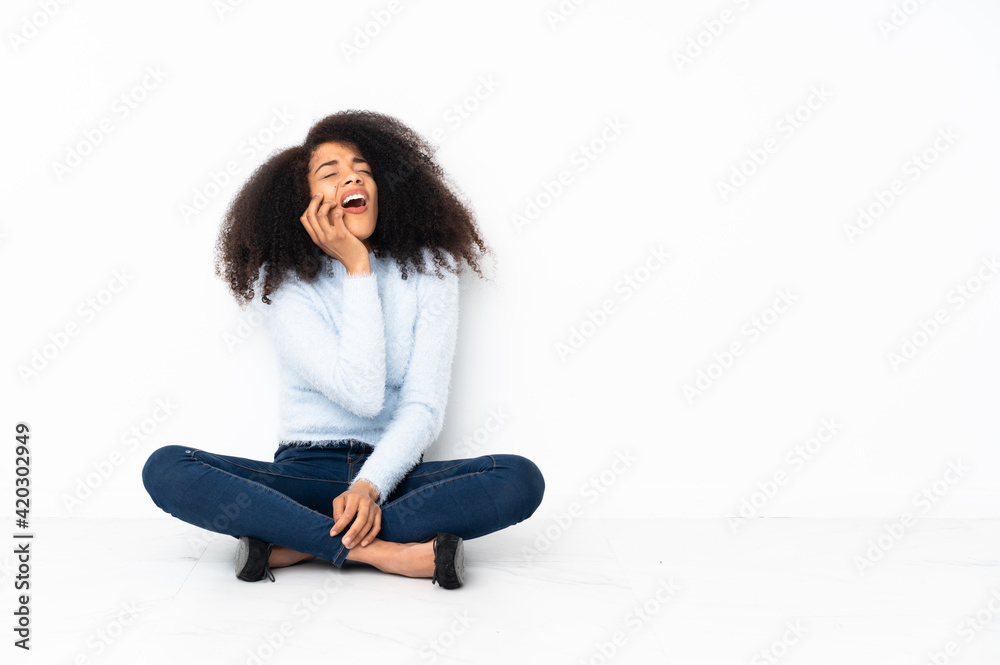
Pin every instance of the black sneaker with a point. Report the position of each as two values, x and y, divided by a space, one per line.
251 559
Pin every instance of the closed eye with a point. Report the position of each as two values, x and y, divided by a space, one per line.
335 173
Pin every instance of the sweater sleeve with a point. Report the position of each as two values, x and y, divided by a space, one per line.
346 364
419 419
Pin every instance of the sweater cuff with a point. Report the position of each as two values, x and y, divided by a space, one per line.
360 289
378 488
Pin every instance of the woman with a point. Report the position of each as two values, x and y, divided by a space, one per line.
344 238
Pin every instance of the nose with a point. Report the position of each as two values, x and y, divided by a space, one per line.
353 178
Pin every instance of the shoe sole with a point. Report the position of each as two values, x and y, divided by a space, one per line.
244 549
460 562
459 566
242 554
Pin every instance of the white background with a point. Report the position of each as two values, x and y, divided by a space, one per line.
654 185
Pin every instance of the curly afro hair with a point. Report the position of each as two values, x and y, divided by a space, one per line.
417 208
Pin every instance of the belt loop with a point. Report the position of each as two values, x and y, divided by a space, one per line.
362 449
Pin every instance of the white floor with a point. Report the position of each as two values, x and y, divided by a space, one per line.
603 591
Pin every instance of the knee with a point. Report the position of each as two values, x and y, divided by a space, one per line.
159 472
529 480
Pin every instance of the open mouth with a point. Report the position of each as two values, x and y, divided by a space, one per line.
355 201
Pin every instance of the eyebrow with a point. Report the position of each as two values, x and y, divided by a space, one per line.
357 160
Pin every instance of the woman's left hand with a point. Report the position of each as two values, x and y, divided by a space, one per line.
358 505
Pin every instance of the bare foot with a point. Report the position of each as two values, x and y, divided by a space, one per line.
408 559
415 559
282 556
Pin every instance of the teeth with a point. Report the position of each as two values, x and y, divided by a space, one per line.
352 197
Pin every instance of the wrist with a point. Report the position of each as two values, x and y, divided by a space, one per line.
359 268
366 487
359 271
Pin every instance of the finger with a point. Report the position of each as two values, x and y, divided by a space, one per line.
376 527
318 214
338 513
323 222
335 216
308 218
363 533
359 524
343 522
362 523
310 209
315 201
350 510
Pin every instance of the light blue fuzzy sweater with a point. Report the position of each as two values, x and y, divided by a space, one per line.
365 357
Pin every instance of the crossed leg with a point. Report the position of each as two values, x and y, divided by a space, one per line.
288 502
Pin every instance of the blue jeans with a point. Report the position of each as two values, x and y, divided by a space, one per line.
289 501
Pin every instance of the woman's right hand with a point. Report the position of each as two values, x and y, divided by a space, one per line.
324 221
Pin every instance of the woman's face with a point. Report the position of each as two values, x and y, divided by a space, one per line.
339 172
